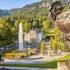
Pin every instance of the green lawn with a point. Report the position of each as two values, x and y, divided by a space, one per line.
66 57
52 64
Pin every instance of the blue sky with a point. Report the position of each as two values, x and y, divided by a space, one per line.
10 4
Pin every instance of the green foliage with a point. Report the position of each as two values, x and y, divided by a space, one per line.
54 45
56 42
46 25
26 27
56 32
42 47
35 24
61 46
7 33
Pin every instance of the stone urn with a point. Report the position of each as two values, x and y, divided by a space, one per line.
63 22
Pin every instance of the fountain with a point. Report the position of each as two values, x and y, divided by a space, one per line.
20 37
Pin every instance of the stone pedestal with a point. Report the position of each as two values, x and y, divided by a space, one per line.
62 66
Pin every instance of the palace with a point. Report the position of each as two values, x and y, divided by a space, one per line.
63 1
49 2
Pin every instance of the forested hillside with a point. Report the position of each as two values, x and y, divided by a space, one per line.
31 16
4 12
30 13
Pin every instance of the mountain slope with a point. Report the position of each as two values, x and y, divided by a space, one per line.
30 12
4 12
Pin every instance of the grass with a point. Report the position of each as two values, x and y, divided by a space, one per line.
66 57
52 64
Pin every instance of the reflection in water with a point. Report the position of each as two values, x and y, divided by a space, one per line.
21 68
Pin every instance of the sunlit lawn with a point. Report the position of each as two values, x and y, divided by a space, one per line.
52 64
66 57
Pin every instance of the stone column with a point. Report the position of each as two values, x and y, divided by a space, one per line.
20 37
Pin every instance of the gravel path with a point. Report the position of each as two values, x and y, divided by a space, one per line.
33 59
